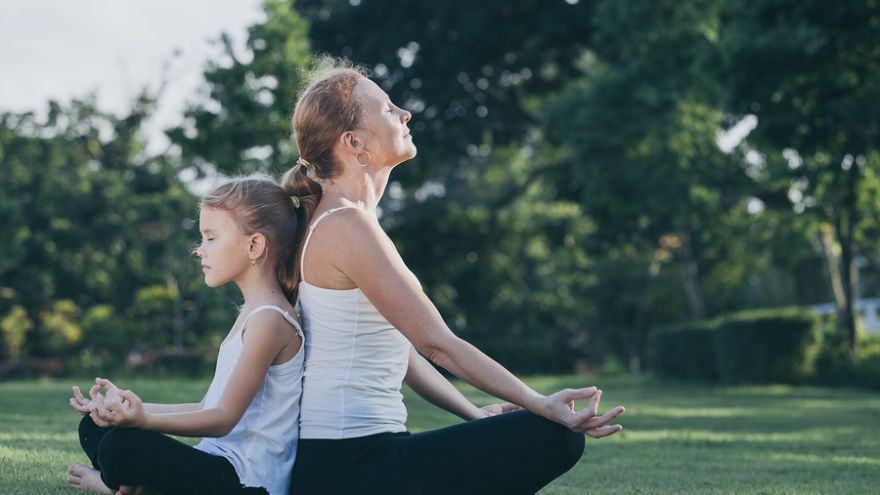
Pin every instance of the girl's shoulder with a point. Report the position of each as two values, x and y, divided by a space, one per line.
272 316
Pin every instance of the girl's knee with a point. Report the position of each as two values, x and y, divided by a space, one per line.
87 426
116 449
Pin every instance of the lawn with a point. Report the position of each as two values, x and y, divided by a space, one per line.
677 439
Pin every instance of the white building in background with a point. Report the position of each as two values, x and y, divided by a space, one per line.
866 308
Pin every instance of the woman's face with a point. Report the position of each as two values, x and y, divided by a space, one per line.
383 126
224 249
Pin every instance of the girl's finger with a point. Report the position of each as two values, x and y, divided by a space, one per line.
95 391
77 394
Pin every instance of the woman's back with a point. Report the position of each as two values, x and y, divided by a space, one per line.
355 363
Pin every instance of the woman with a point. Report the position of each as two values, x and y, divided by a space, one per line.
368 323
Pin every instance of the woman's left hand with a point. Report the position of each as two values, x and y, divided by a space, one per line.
496 409
122 409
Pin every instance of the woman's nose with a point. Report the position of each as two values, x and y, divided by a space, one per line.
406 116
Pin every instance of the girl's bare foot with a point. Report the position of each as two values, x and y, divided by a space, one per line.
136 490
85 478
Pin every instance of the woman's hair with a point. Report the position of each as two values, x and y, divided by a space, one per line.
325 109
259 205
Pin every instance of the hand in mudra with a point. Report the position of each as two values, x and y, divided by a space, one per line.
116 408
560 407
496 409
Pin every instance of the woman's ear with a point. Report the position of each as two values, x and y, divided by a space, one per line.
352 142
258 248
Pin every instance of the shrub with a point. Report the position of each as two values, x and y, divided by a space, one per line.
765 346
836 365
684 351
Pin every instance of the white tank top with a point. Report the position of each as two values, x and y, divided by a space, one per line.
355 363
262 445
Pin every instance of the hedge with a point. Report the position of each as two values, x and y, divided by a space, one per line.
760 346
684 352
766 346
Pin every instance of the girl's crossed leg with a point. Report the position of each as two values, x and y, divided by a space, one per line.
129 456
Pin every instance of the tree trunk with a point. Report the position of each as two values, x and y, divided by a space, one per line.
845 222
690 276
826 239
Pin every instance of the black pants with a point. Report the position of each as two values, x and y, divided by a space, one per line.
128 456
514 453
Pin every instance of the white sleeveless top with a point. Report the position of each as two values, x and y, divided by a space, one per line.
262 445
355 363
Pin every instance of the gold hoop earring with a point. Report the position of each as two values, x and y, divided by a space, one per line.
358 158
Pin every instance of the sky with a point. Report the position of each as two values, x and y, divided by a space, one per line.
64 49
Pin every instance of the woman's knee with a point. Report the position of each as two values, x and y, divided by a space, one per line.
571 445
562 445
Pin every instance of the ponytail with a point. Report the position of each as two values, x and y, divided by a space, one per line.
325 109
307 192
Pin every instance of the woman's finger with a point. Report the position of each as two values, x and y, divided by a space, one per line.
597 421
604 431
592 408
572 394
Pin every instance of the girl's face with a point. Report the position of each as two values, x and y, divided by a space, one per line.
224 249
383 125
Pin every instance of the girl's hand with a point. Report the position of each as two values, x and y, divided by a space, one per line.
559 407
121 409
80 403
496 409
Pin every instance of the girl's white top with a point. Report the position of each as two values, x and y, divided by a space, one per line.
355 363
262 445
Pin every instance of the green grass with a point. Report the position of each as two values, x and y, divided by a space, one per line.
678 438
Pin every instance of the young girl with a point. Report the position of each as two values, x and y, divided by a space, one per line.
250 412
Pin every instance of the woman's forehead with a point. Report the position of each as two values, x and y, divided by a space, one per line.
367 90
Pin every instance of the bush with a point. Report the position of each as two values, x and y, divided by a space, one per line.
766 346
837 366
685 352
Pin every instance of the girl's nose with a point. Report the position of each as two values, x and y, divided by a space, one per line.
406 116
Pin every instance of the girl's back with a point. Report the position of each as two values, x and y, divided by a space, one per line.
262 445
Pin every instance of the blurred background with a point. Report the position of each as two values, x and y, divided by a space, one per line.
689 187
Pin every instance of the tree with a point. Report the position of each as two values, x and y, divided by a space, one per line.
243 122
91 222
810 72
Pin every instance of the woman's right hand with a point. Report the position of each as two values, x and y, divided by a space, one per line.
559 407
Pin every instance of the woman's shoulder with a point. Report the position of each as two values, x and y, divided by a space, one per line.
351 224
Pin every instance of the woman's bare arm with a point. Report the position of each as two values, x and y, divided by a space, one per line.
366 256
432 386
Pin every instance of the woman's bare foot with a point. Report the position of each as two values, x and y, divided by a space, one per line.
85 478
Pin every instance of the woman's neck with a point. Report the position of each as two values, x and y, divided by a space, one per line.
362 188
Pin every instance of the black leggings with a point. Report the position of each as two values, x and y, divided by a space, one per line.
514 453
128 456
